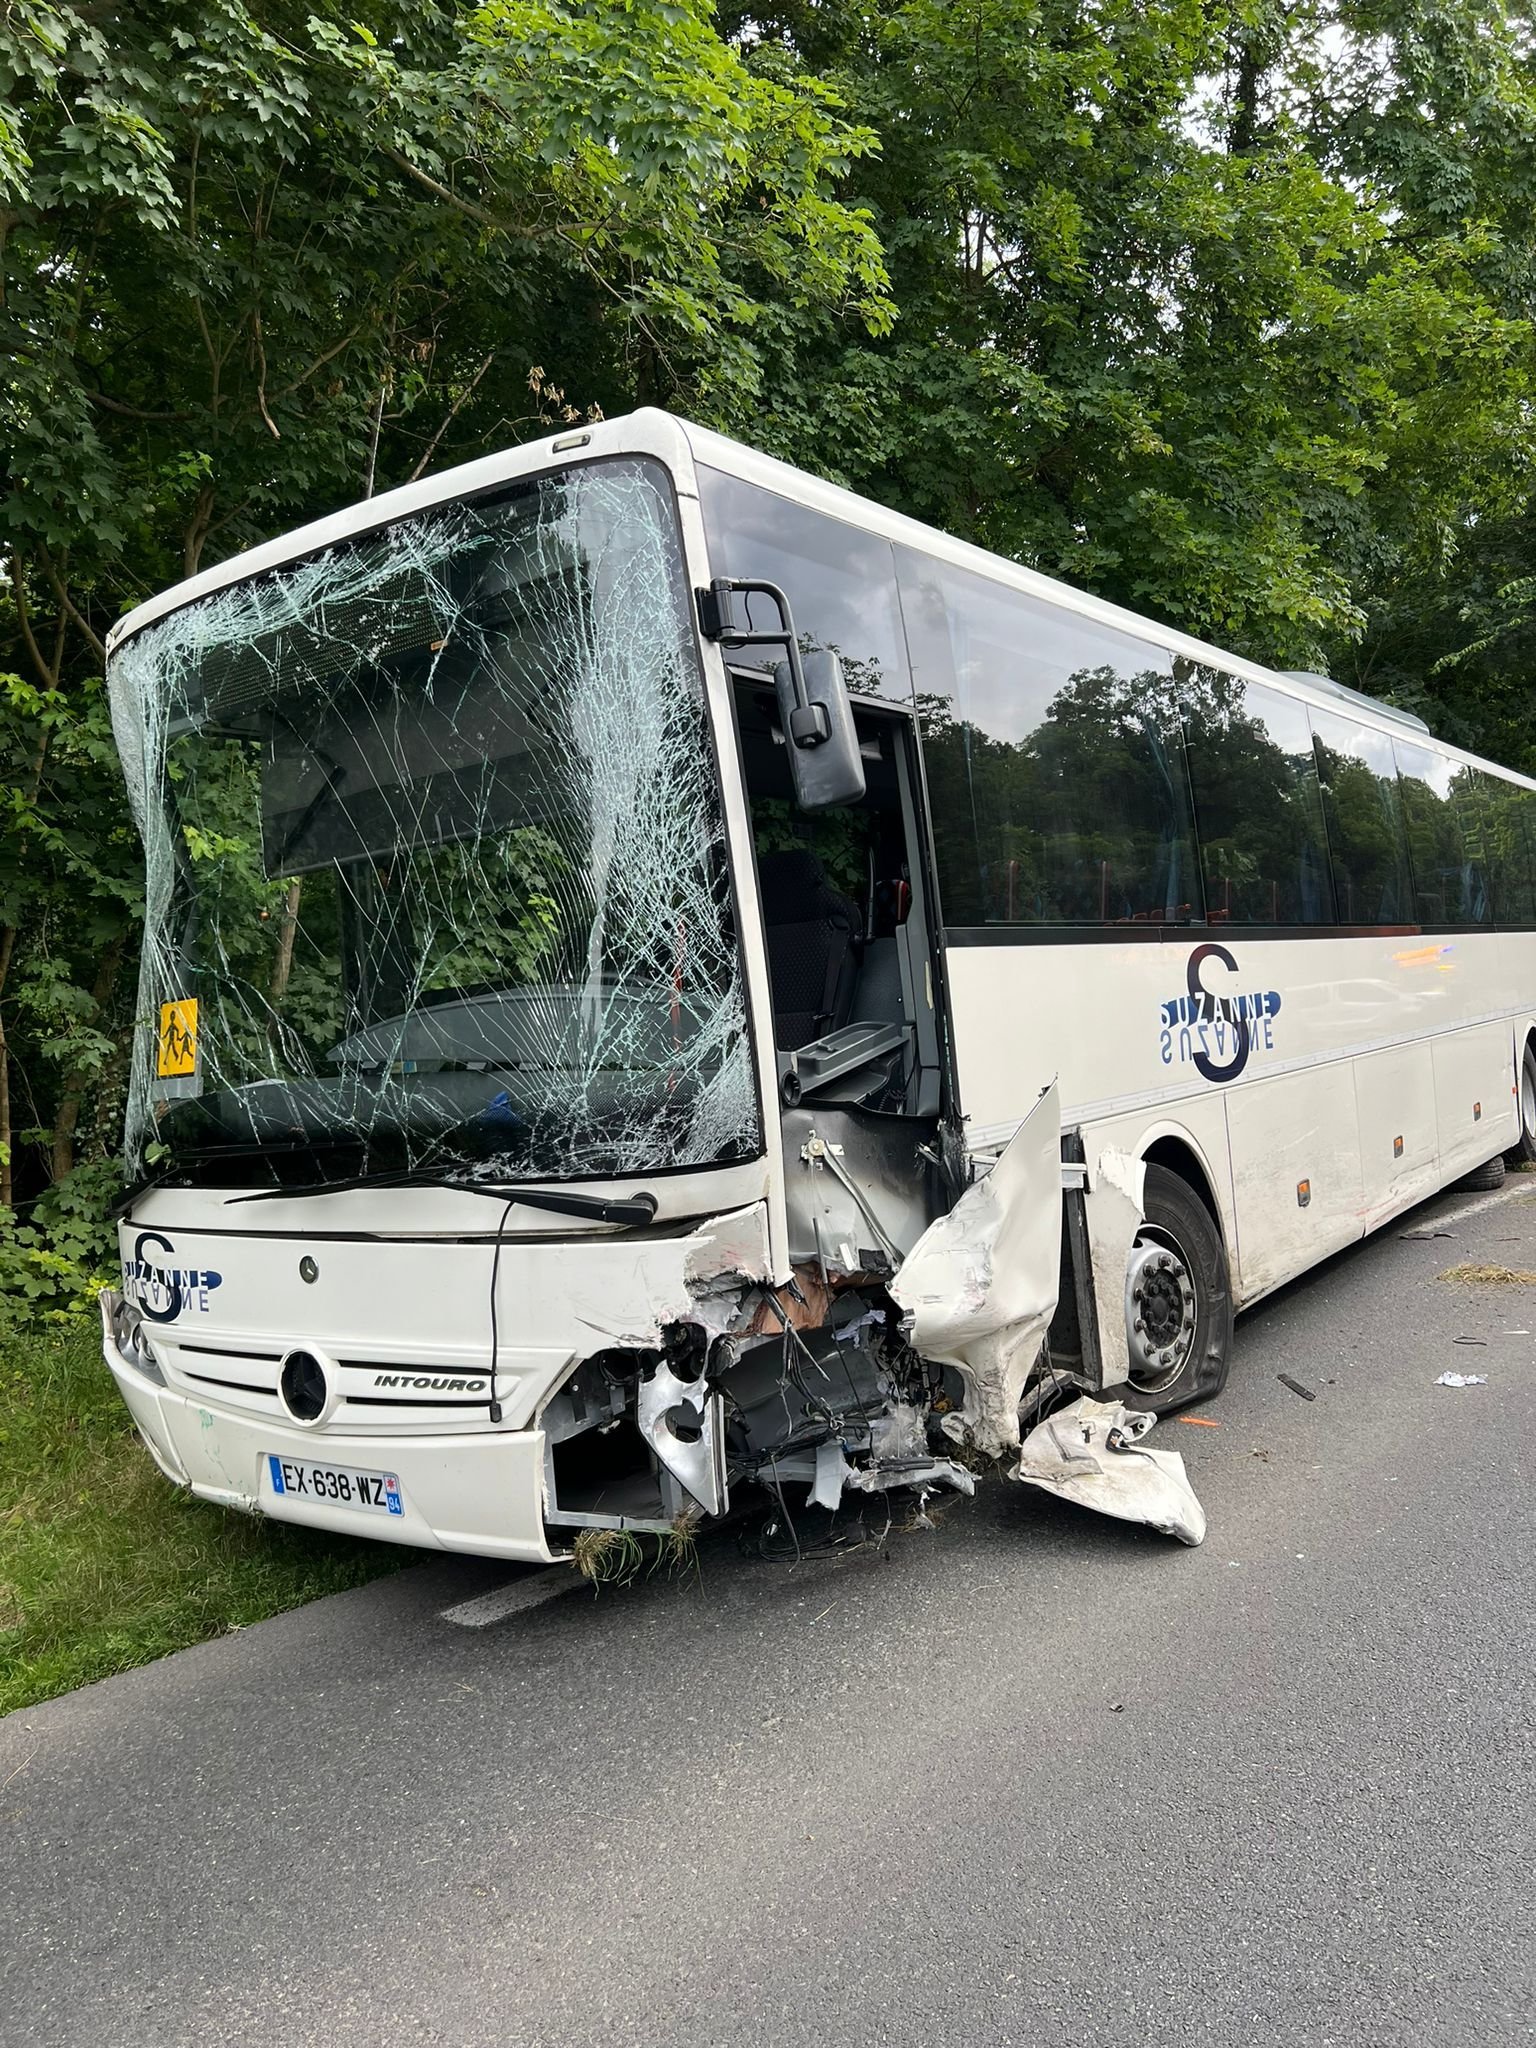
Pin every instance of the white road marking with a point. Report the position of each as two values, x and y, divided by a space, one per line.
1518 1184
515 1597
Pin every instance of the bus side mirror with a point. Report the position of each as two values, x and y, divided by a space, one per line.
824 759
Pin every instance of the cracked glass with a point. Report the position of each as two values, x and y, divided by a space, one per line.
436 878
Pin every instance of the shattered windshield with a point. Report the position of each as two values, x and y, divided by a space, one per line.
436 876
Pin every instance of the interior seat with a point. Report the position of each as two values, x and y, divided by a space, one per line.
812 931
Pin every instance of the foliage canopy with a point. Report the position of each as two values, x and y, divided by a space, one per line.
1219 307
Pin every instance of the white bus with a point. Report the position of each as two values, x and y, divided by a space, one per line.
663 979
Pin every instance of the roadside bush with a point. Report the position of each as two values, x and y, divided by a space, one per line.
56 1257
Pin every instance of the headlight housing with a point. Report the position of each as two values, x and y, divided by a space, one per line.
132 1340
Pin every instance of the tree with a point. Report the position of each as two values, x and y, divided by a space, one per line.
257 261
1165 329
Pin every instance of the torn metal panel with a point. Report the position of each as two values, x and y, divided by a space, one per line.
1091 1452
924 1473
855 1188
1114 1203
731 1246
833 1473
683 1422
707 1277
979 1287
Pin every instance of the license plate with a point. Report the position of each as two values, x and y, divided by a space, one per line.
302 1479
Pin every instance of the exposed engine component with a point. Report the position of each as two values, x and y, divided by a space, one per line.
637 1438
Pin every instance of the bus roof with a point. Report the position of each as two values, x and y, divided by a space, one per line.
679 444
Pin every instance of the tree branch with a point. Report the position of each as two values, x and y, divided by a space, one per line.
320 362
24 620
97 646
453 412
430 184
261 374
131 412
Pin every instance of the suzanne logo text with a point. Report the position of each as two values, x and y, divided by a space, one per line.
1216 1029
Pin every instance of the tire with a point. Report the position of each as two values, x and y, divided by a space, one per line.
1177 1286
1523 1152
1483 1177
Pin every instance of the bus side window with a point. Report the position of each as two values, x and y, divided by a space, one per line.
840 581
1054 755
1371 876
1509 838
1258 806
1526 856
1443 817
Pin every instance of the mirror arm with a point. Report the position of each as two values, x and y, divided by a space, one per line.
809 724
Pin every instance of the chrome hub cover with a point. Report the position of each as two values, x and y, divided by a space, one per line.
1159 1313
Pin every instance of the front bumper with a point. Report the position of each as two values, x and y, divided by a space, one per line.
481 1493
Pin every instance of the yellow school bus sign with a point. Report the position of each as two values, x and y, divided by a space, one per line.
178 1039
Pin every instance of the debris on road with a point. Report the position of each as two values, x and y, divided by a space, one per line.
1489 1276
1469 1340
1295 1386
1462 1379
1421 1236
1197 1421
1090 1452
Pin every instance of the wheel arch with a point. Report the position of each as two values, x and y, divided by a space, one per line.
1177 1152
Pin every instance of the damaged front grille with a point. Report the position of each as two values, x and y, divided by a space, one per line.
641 1439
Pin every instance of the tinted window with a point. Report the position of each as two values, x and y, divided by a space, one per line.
1054 755
1442 815
840 582
1258 805
1509 846
1523 862
1365 826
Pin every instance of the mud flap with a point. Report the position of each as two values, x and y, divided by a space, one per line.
979 1286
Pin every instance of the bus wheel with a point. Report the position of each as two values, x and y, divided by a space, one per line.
1490 1175
1178 1299
1524 1153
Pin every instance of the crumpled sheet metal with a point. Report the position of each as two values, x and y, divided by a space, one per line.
1114 1206
980 1284
707 1278
697 1460
1070 1454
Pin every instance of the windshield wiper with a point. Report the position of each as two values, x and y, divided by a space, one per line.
200 1154
639 1208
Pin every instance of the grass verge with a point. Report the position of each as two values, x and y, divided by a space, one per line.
103 1563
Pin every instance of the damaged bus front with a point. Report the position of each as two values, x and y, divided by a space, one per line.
528 1133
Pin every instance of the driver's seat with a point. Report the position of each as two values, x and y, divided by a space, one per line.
813 932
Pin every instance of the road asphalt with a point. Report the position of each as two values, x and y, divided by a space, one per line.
1030 1776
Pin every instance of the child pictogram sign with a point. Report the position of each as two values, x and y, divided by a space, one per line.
178 1038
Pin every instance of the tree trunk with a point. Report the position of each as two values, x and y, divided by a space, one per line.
282 966
1243 131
